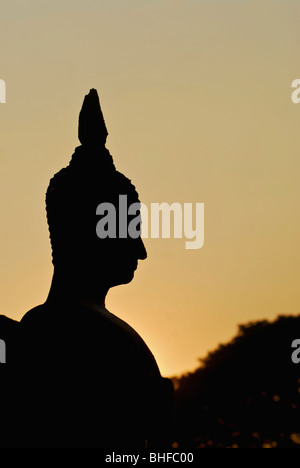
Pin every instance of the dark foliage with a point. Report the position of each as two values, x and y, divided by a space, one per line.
245 394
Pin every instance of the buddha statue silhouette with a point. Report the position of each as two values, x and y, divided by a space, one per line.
91 381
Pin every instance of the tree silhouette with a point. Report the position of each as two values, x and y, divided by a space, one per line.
245 393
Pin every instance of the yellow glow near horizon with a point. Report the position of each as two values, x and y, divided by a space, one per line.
197 100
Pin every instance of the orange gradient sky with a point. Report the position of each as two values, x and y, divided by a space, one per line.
196 95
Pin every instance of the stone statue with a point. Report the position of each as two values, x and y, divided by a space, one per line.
85 377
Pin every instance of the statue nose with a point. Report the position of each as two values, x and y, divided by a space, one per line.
142 252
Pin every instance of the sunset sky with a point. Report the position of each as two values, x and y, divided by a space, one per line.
196 95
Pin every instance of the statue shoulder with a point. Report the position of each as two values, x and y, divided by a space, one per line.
32 314
9 332
122 342
8 327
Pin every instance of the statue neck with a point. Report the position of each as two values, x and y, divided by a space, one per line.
69 287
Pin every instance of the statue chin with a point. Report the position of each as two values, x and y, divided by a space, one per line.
125 278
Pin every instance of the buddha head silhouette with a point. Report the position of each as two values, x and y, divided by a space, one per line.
72 198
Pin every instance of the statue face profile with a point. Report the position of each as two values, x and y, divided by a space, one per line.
117 259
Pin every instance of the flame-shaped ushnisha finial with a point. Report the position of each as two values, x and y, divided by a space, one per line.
92 130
